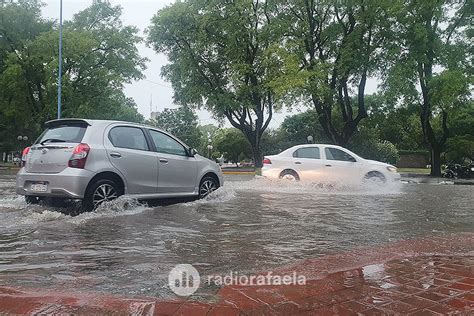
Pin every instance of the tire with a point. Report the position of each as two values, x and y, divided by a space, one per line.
375 177
102 190
207 185
31 199
290 175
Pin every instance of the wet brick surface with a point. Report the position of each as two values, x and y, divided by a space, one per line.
429 276
423 285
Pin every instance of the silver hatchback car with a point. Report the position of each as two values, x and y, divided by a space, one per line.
97 161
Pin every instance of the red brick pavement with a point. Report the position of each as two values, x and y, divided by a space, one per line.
438 280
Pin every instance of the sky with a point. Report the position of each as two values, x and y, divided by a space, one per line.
153 87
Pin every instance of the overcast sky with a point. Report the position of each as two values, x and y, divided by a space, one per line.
139 13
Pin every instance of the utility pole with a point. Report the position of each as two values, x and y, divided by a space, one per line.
60 70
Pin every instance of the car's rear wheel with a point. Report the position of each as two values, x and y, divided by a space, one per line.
289 175
102 190
208 184
31 199
375 177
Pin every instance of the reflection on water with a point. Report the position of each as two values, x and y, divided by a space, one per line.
129 248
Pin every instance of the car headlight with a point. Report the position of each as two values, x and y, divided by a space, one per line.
392 169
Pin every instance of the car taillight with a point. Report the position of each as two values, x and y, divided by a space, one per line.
79 156
23 155
267 161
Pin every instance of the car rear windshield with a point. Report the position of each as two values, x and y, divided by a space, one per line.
62 134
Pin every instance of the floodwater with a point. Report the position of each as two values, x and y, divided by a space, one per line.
249 225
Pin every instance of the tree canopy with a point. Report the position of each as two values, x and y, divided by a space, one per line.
99 56
181 122
222 56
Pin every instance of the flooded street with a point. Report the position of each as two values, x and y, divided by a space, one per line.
248 225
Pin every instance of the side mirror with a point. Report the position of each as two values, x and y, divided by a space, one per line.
192 152
352 159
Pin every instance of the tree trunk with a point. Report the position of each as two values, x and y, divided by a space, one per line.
257 155
435 163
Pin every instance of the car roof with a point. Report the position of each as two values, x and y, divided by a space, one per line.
289 151
313 145
97 122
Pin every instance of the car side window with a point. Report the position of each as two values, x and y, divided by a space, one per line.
128 137
337 154
166 144
307 152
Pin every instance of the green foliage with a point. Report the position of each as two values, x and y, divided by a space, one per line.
299 126
232 144
431 65
460 147
182 123
223 56
337 45
367 144
99 56
208 134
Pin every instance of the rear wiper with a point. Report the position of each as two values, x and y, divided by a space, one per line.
52 140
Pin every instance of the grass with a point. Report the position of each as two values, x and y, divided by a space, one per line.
415 170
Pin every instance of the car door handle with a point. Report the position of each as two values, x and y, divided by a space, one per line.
163 160
297 163
115 155
328 165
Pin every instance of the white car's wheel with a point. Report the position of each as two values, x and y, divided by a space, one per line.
374 177
289 175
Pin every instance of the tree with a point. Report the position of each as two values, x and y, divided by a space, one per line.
20 24
100 56
432 67
222 56
338 46
208 134
182 122
299 126
232 144
460 144
398 124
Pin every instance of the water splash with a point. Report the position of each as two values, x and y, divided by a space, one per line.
13 202
221 195
122 206
261 184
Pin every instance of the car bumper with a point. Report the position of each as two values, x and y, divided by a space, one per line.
69 183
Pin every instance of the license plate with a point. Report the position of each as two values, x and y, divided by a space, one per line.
39 187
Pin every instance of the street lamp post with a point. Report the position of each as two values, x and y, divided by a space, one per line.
209 145
20 139
60 70
209 148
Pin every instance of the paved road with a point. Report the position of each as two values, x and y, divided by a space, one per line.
248 225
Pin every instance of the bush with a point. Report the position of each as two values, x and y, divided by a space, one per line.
387 152
368 145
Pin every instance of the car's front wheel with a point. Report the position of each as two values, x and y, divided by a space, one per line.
375 177
208 184
102 190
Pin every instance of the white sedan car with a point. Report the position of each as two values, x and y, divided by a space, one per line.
328 163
